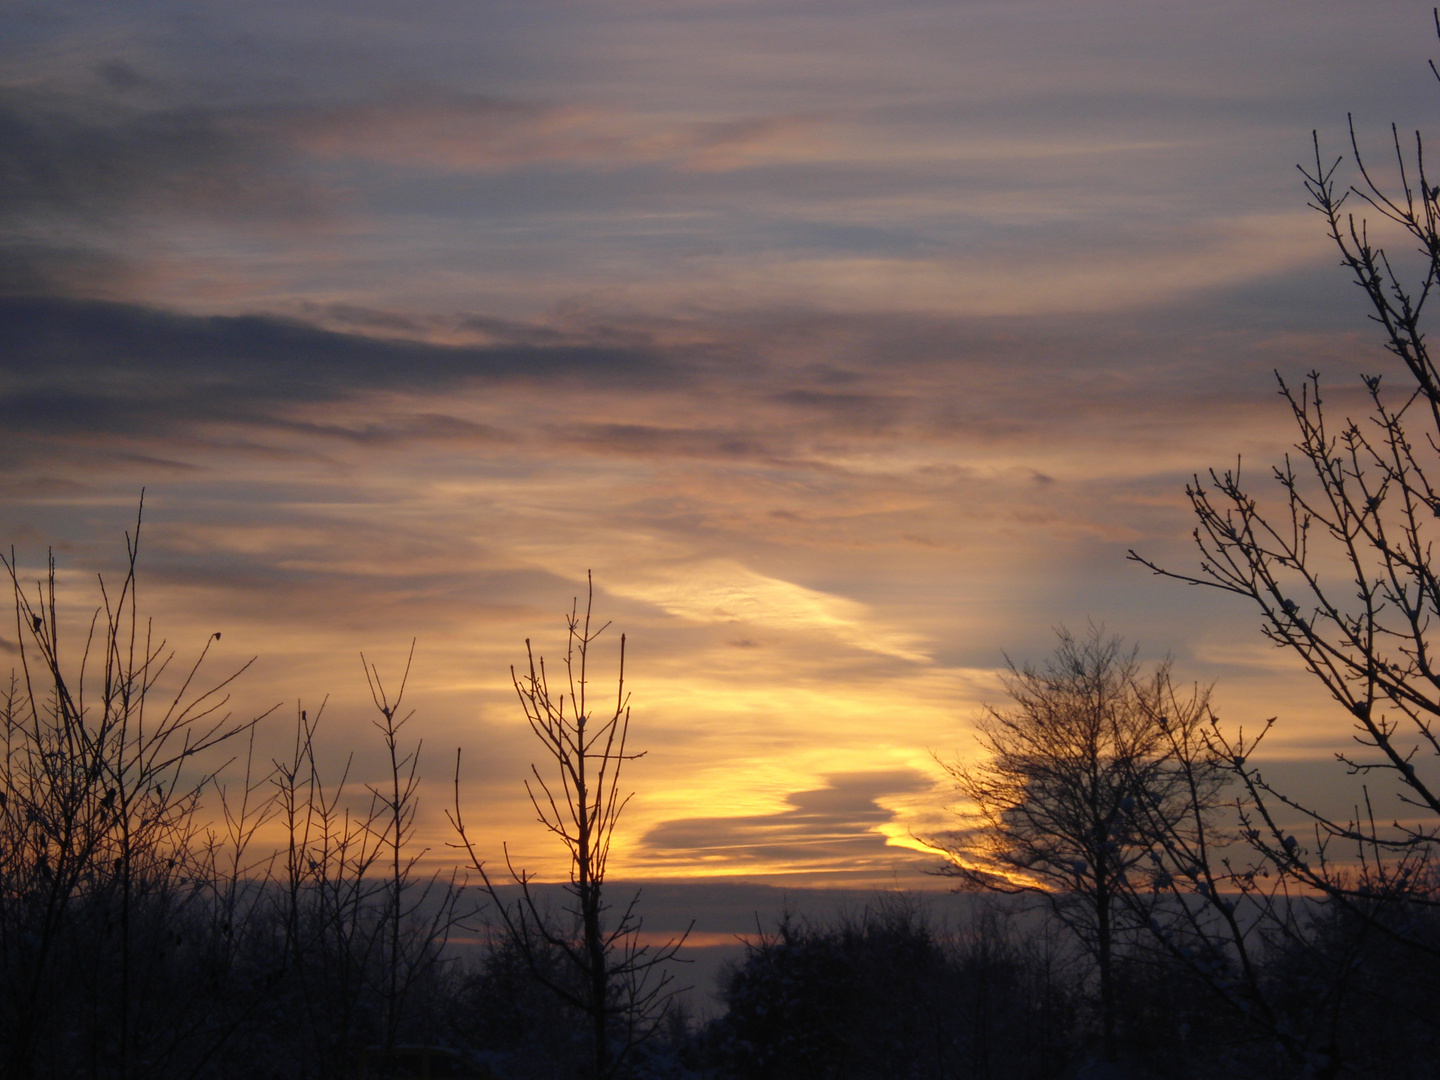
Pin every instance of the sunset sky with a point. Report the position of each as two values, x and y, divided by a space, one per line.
849 344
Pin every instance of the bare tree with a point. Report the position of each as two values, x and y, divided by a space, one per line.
139 939
418 913
102 855
362 928
619 984
1071 776
1340 564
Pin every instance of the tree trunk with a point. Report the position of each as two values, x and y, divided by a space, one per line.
1107 980
595 949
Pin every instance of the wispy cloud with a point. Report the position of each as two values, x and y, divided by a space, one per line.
726 593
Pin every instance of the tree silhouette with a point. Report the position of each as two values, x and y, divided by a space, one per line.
102 852
619 984
1341 564
1072 776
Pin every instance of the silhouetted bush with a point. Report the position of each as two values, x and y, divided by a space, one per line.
503 1010
883 995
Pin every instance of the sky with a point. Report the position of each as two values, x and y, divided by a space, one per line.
849 345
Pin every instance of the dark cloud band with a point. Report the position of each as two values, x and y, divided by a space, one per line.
81 365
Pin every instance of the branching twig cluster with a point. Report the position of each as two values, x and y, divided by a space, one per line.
621 985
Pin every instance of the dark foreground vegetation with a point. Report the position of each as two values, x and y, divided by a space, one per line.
157 922
147 930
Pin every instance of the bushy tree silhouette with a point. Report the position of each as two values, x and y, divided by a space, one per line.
885 995
1071 779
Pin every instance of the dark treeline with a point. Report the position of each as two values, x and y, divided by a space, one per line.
887 995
